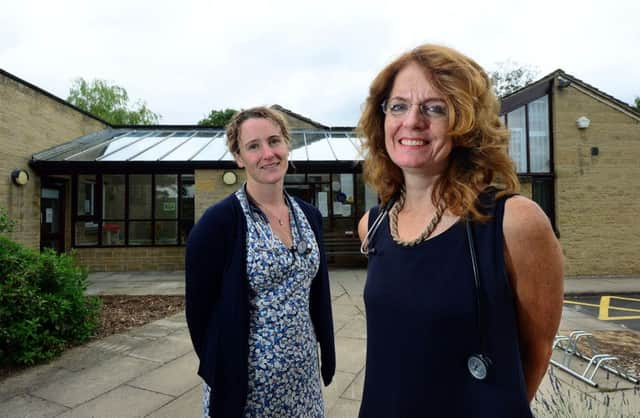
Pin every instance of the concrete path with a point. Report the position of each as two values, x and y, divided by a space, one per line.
150 371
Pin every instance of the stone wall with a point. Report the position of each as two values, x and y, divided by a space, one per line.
131 258
30 122
597 196
210 188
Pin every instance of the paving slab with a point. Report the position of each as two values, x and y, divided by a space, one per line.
350 354
356 328
344 408
96 352
31 378
354 390
173 378
163 350
345 312
189 405
338 385
29 406
77 388
122 402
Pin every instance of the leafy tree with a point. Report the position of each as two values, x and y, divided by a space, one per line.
638 103
218 118
110 102
510 76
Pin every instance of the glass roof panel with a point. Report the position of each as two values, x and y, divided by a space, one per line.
214 151
92 152
117 144
189 149
157 152
130 151
320 151
297 140
298 154
345 149
210 133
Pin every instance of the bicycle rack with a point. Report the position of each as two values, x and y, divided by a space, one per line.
569 346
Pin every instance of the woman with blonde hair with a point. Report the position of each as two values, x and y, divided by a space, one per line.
464 286
257 287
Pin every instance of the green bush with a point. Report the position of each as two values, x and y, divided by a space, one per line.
6 224
43 309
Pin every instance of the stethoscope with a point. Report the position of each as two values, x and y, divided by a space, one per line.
302 247
478 363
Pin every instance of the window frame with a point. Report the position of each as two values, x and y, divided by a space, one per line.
181 220
527 135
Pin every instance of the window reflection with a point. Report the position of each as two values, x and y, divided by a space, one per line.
140 196
86 194
113 196
167 196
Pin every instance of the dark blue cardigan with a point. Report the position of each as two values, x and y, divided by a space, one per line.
217 303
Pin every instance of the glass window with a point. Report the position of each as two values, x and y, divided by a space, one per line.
140 196
113 196
370 197
113 233
539 135
185 229
86 233
86 194
187 196
542 194
140 233
342 189
166 232
322 199
295 179
518 140
161 209
167 196
318 178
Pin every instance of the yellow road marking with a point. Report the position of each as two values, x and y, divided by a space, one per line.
604 307
593 305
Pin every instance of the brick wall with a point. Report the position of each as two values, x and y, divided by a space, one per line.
210 188
31 121
131 258
597 197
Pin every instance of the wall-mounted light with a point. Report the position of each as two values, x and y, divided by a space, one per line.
563 83
19 177
229 178
583 122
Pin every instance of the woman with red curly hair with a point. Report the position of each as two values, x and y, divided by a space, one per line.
464 285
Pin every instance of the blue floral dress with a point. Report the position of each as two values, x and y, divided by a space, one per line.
284 375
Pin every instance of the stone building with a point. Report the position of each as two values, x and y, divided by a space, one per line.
125 197
577 150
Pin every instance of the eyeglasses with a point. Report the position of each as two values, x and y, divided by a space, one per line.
399 108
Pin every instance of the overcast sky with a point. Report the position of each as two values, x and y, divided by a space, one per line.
317 58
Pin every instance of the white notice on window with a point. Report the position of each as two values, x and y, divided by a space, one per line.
48 215
323 207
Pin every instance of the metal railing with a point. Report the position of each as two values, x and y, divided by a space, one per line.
595 361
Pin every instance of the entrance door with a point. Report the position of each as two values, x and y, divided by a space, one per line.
52 216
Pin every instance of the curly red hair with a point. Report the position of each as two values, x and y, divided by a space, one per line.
479 157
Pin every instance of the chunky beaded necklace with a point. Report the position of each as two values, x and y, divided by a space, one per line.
393 223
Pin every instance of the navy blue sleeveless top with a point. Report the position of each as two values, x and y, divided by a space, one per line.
422 326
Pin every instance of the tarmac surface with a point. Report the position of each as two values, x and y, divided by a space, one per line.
150 371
